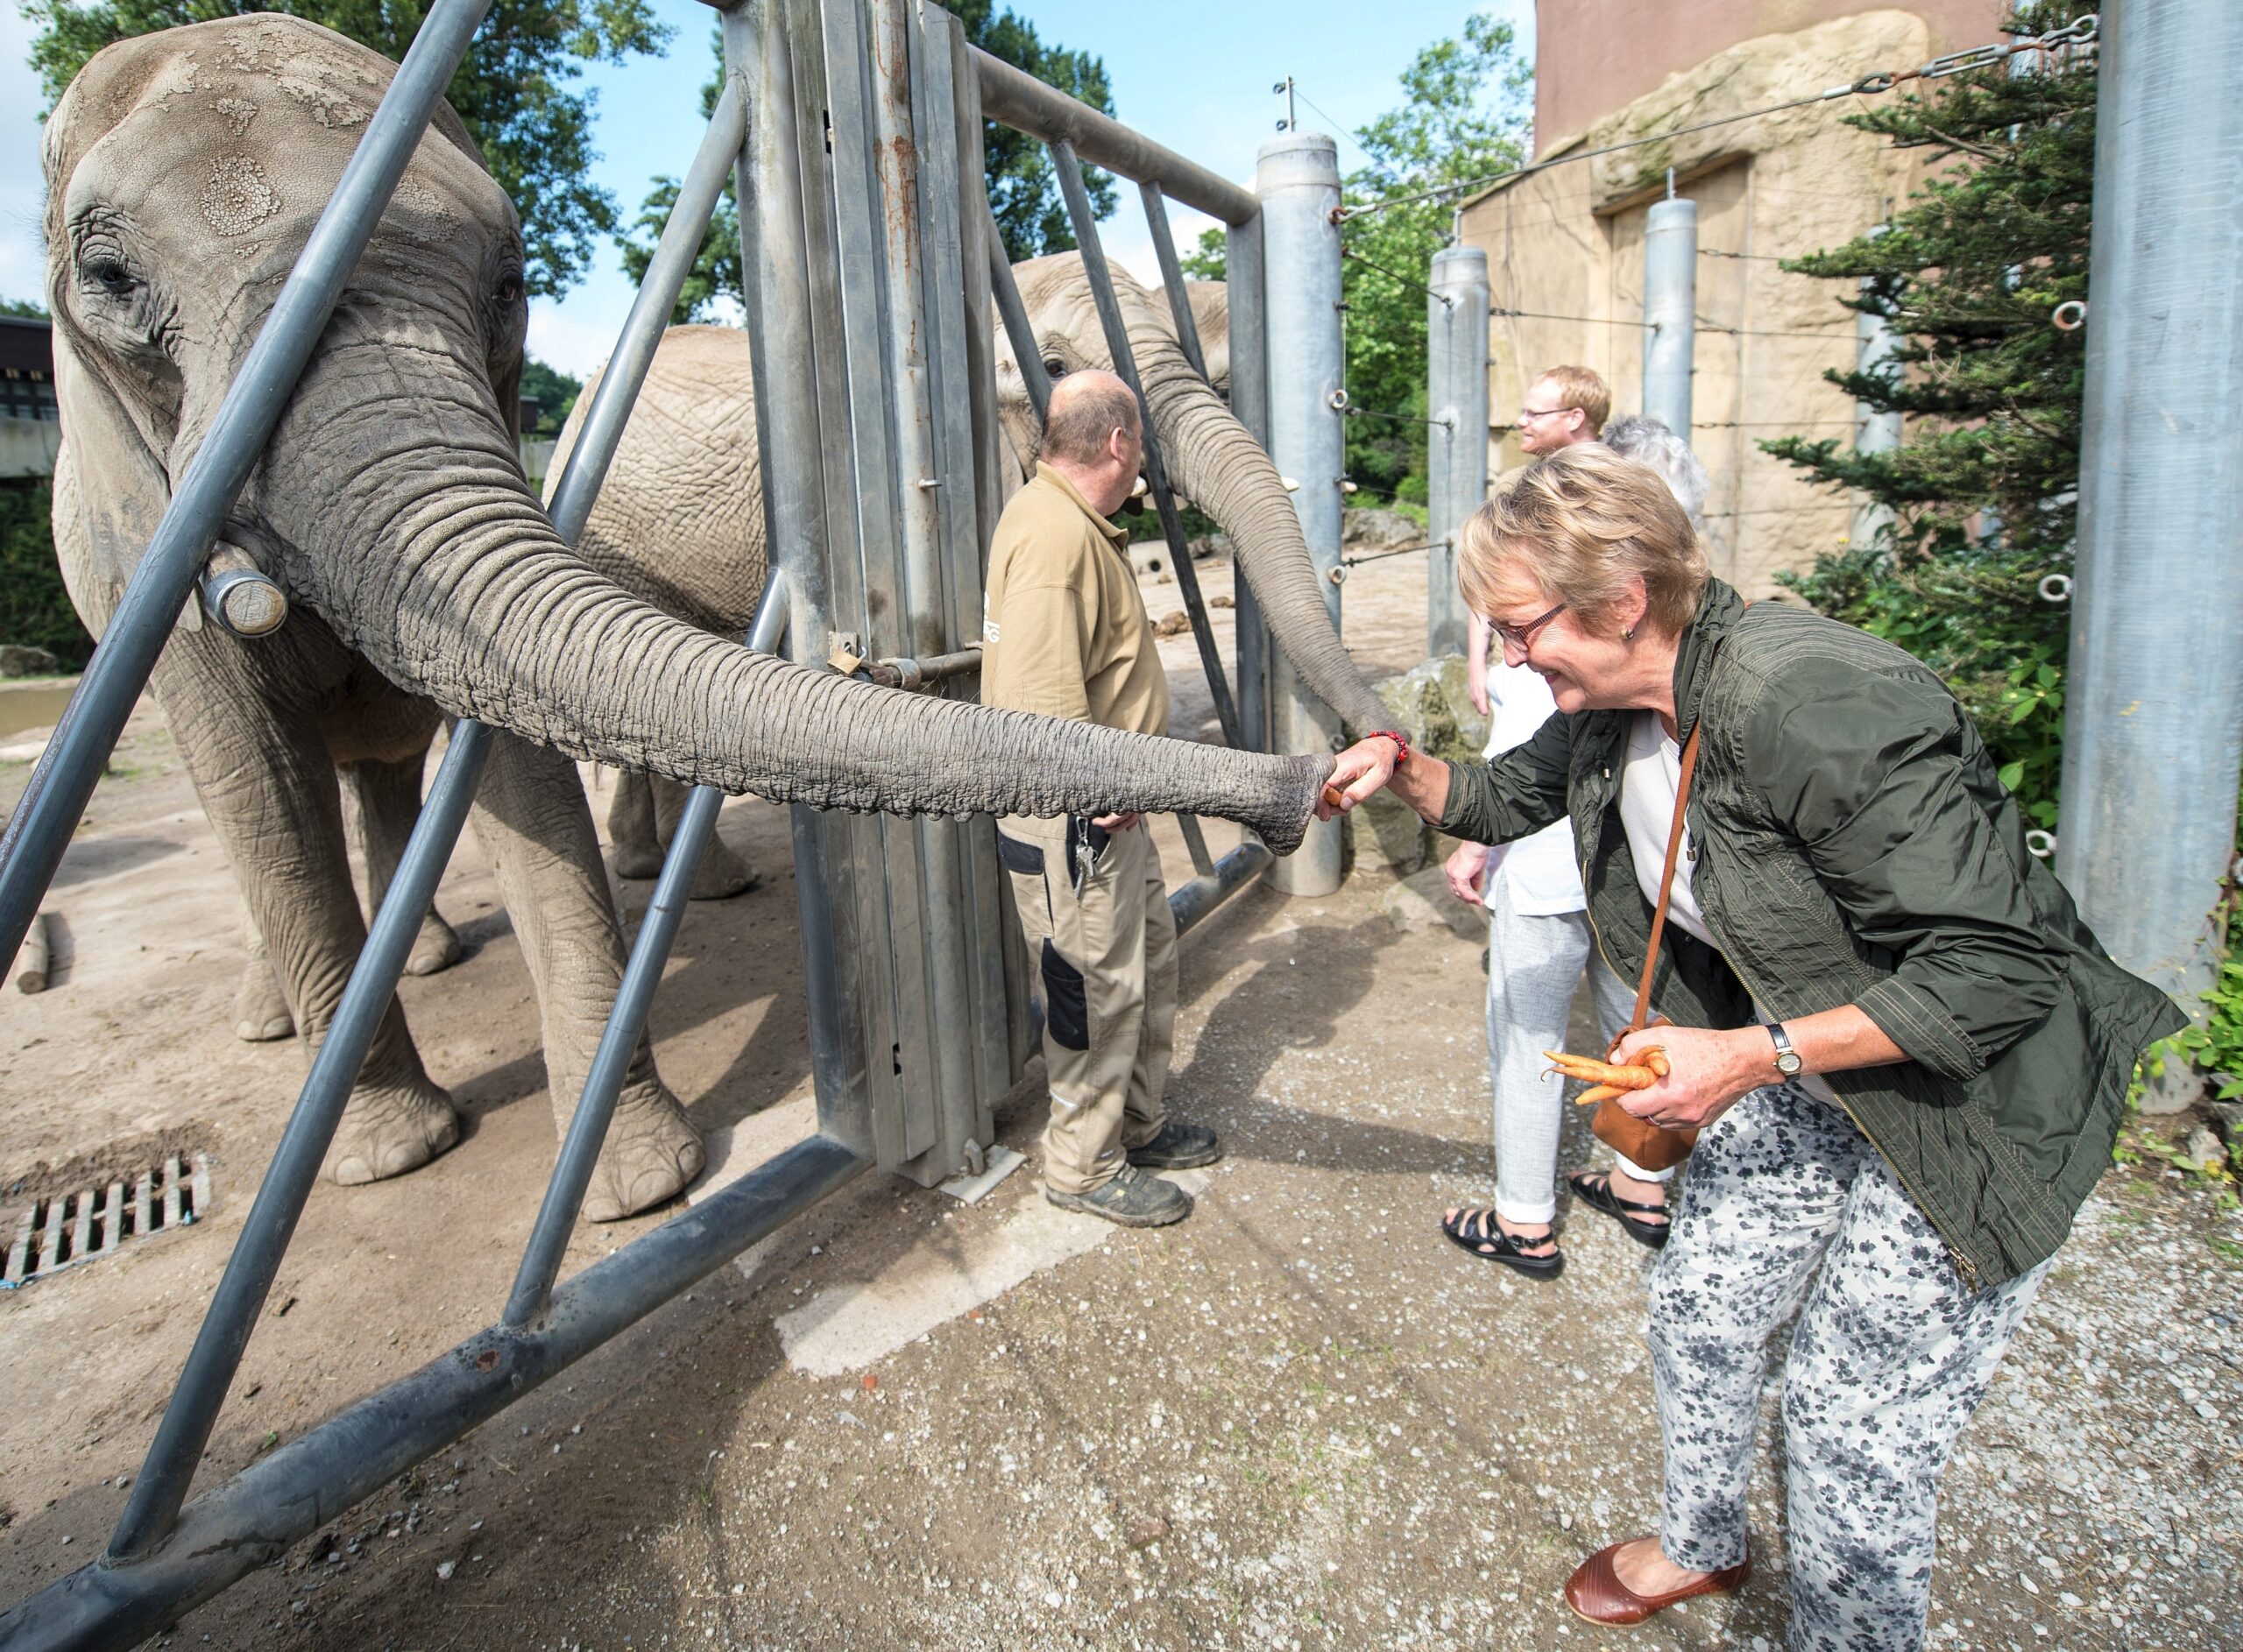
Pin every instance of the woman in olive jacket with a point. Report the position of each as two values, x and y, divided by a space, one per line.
1908 1054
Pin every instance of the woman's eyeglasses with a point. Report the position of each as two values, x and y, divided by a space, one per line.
1521 637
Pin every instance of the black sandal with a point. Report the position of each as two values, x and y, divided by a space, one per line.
1474 1228
1593 1188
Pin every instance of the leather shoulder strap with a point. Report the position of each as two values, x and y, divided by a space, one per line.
1642 1017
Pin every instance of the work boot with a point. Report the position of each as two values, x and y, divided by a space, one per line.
1132 1199
1178 1146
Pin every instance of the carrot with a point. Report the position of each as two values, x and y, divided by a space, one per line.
1333 797
1601 1093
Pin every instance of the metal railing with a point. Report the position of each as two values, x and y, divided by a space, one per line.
862 357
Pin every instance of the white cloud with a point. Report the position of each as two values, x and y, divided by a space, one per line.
23 258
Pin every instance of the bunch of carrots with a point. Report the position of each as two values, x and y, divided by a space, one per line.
1609 1078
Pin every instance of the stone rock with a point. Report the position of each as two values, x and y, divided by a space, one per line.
1172 625
1148 560
1421 903
2203 1149
1385 835
21 659
1431 705
1209 545
1370 529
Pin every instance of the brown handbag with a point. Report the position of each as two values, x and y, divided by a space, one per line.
1652 1146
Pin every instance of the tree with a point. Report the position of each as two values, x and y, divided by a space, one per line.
1023 191
30 308
554 391
34 608
1981 489
1467 115
511 90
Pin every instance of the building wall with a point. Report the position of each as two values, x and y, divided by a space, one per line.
1592 57
1565 247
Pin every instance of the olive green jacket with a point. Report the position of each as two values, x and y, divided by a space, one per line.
1855 846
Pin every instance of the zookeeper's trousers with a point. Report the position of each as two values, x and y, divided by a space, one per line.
1787 1201
1102 938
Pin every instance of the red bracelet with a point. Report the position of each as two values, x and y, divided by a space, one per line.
1402 740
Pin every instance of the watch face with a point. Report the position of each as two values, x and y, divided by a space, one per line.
1788 1063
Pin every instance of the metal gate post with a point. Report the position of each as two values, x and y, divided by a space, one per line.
1298 181
1457 442
1670 310
1249 405
801 436
2152 737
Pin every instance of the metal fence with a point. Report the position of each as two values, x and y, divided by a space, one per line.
852 128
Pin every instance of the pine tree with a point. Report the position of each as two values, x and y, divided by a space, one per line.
1982 490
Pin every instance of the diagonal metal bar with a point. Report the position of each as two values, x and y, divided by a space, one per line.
572 1170
55 799
1125 364
1172 278
250 1520
166 1476
1018 328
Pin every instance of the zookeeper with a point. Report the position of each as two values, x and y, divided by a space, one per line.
1908 1054
1063 632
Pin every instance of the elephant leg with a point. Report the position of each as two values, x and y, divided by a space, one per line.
534 822
721 874
633 830
389 801
270 792
260 1006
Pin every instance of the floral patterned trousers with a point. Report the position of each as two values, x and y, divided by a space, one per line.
1787 1208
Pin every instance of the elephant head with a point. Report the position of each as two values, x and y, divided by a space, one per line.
184 172
1211 458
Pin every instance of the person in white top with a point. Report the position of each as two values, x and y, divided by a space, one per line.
1539 933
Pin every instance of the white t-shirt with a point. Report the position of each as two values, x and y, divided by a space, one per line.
1541 878
1648 784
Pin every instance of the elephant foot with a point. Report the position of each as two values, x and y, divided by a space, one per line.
387 1131
722 874
636 861
651 1153
435 947
261 1012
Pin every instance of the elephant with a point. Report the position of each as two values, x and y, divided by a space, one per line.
684 477
184 171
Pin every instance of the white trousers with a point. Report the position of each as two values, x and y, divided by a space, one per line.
1534 964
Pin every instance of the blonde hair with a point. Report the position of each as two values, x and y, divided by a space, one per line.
1580 387
1576 527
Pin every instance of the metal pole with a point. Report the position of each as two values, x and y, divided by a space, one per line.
1249 405
1171 277
250 1521
2153 739
1456 364
1670 310
1125 364
1020 332
785 326
54 799
1298 181
169 1469
626 1021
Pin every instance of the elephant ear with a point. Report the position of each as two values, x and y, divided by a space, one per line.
116 492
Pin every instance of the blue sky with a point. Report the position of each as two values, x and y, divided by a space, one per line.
1195 76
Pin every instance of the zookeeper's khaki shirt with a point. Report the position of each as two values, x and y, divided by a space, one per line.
1064 631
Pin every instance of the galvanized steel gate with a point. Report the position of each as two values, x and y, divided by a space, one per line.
854 127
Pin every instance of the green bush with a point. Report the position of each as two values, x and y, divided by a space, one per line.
34 608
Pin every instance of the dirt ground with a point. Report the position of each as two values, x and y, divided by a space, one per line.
1300 1419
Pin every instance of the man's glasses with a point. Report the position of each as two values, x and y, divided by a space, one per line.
1521 637
1527 415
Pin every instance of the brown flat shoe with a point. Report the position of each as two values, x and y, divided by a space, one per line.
1596 1592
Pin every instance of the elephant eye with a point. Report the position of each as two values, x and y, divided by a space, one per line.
510 287
110 275
1053 367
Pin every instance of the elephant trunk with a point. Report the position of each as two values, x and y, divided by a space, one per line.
1223 470
433 562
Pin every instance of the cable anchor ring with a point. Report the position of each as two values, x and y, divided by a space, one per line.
1337 401
2056 588
2069 316
2040 845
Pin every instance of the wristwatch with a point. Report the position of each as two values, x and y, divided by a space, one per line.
1788 1061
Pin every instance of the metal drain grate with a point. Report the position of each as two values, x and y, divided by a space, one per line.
70 1228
